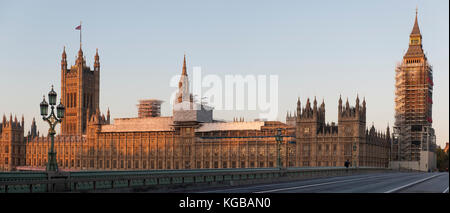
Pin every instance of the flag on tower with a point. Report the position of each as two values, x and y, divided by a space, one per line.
79 28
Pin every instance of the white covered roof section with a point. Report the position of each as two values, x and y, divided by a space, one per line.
148 124
223 126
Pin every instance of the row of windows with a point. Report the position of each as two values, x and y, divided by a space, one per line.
143 151
252 164
306 148
128 164
14 161
326 163
71 127
87 100
14 149
413 61
14 137
327 147
71 100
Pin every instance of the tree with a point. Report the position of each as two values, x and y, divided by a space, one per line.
442 160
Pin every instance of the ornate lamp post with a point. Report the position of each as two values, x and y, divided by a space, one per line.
52 120
279 140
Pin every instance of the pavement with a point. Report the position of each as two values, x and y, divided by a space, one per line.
392 182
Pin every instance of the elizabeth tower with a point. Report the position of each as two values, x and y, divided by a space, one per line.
413 99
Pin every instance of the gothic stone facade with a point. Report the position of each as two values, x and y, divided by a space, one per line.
320 144
161 143
12 146
189 139
154 143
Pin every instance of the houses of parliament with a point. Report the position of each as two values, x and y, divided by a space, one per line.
189 139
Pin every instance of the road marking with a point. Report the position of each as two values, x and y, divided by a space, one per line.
410 184
275 184
318 184
445 191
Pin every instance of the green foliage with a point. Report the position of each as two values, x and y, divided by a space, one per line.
442 160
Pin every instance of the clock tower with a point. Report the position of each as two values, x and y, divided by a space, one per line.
413 99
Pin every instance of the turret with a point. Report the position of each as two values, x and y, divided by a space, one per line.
364 104
96 61
64 60
315 106
33 129
63 85
80 59
321 113
307 109
108 117
350 117
315 102
310 120
388 133
357 105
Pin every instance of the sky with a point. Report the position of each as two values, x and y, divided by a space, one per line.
316 48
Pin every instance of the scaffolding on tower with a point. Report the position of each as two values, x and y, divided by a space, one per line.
413 101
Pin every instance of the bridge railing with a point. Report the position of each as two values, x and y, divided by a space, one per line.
25 182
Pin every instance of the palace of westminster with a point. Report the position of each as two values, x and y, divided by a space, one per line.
190 138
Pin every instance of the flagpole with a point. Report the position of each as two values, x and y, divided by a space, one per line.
80 35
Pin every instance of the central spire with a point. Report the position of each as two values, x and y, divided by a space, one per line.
415 43
184 66
183 85
64 55
415 30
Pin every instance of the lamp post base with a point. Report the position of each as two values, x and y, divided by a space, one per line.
52 165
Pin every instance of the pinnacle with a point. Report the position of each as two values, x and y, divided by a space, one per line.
184 65
415 30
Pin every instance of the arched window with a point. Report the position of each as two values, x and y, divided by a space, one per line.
69 100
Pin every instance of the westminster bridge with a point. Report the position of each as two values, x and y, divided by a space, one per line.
162 180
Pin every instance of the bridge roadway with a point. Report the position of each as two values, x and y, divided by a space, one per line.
398 182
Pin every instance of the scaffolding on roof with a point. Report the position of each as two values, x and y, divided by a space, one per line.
149 108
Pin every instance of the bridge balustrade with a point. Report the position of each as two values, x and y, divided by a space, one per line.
91 181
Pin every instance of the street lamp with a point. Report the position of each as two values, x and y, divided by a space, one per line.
52 120
279 140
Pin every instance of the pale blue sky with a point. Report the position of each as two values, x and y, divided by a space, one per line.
318 48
